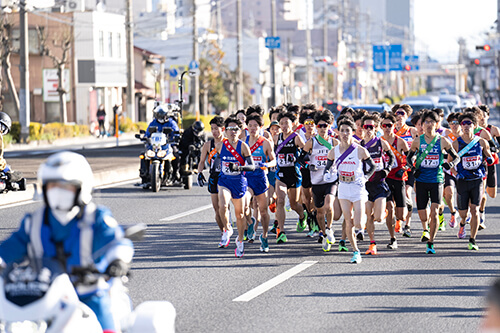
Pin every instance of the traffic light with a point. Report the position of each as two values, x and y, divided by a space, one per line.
477 61
407 68
484 47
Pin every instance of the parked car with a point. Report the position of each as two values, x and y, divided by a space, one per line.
372 107
450 100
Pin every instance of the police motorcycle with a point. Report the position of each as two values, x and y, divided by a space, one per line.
11 181
193 159
157 160
38 296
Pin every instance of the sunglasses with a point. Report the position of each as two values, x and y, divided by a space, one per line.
466 122
387 125
454 122
322 126
400 113
368 127
309 122
232 128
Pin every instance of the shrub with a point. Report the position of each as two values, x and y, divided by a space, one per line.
126 125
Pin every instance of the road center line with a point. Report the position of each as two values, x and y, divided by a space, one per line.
189 212
249 295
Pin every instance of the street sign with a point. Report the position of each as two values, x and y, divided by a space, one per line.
193 64
413 61
173 72
273 42
395 53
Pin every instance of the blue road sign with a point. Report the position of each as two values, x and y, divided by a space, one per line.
380 57
173 72
273 42
413 61
193 65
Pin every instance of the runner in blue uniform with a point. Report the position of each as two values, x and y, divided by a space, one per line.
234 156
428 172
470 173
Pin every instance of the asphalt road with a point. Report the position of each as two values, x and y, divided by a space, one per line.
395 291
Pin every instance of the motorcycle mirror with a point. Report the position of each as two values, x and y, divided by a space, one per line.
142 131
137 136
167 130
135 232
153 129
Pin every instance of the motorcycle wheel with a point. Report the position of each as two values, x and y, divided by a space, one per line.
188 182
155 177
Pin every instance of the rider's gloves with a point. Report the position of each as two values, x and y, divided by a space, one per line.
117 268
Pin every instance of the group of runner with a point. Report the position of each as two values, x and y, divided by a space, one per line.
365 169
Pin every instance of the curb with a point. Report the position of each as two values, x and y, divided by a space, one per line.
100 179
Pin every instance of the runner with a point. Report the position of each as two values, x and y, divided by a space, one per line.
256 109
450 180
209 150
429 177
242 116
402 112
470 173
347 160
395 179
358 115
323 191
376 186
235 157
288 177
263 157
274 129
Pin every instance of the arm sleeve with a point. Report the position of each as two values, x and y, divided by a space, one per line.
302 158
392 158
249 165
493 146
370 167
409 158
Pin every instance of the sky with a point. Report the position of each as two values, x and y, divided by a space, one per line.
439 24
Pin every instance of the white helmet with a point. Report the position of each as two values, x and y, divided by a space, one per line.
68 167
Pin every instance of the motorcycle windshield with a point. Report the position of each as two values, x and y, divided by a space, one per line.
158 139
25 284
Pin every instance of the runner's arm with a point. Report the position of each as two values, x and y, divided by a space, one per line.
249 164
452 154
390 154
203 156
370 167
299 142
486 151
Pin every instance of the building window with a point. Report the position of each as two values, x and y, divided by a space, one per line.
101 43
33 41
110 44
118 45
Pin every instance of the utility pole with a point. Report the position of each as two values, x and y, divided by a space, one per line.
308 57
273 53
196 78
325 47
218 14
130 62
239 72
24 92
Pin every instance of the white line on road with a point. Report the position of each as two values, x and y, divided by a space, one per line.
21 203
189 212
248 296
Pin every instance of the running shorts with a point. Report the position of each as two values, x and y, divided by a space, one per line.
321 191
306 177
426 191
213 179
449 180
257 182
469 192
377 190
397 188
236 185
352 192
291 177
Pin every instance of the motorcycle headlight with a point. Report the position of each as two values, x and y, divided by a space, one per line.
162 153
150 154
27 326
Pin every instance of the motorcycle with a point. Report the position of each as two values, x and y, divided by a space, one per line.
193 159
38 296
13 183
156 161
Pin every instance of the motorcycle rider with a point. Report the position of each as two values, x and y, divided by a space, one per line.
73 230
14 180
193 136
163 117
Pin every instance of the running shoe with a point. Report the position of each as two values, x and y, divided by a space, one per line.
442 224
461 232
473 246
393 244
274 228
272 207
264 245
326 245
245 235
360 235
372 250
251 240
229 231
342 247
407 231
397 227
281 238
482 219
224 241
239 250
251 229
430 249
356 257
425 236
330 237
314 230
288 208
467 220
320 237
453 220
302 224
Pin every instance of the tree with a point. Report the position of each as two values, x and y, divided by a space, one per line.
5 52
62 41
211 80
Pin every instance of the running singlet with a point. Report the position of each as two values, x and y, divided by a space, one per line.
287 156
452 139
226 158
258 156
471 165
375 151
398 164
405 134
212 155
431 170
351 169
319 157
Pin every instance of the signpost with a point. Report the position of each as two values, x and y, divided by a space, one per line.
387 57
273 42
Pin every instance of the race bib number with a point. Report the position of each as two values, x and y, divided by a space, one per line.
321 161
471 162
257 159
347 176
430 161
378 163
227 171
286 160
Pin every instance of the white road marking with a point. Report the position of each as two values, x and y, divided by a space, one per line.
125 182
15 204
248 296
189 212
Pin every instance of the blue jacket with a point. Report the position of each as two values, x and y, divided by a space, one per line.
169 123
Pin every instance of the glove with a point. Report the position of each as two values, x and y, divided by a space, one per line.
490 160
313 167
330 177
493 149
400 173
201 179
234 167
117 268
447 165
